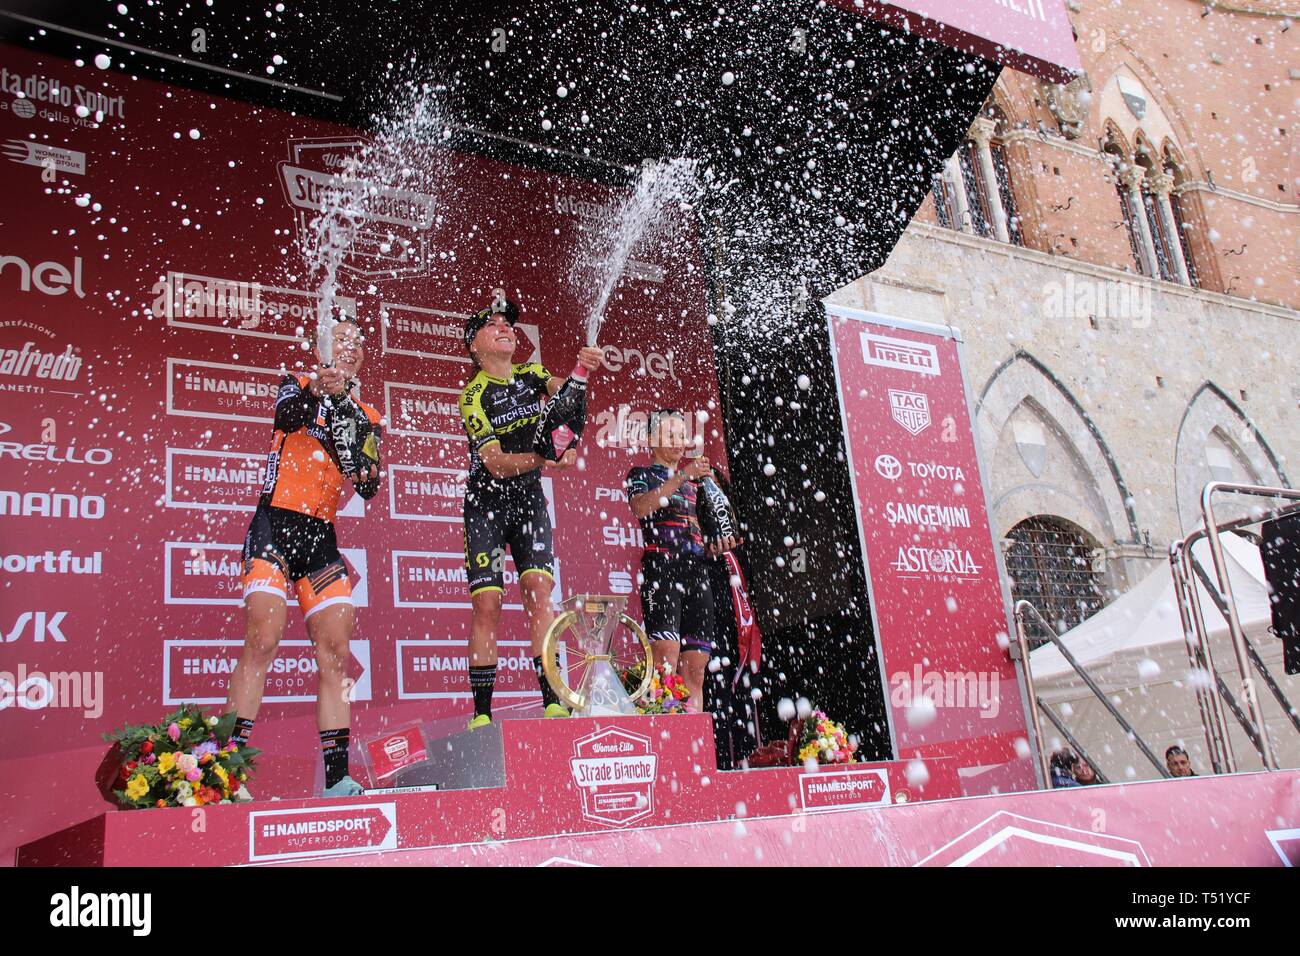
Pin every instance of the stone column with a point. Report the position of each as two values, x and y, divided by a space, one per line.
982 133
1161 185
957 183
1132 179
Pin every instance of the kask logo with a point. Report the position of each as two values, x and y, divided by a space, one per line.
42 623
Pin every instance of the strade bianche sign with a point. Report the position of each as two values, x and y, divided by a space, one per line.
615 773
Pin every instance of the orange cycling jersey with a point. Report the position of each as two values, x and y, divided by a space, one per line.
302 469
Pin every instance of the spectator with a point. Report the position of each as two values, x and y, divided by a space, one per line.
1062 766
1179 764
1084 774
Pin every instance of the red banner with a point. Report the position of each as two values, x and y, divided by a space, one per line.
1030 35
933 572
153 291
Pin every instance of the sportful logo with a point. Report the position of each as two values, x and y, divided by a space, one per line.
901 354
65 562
910 409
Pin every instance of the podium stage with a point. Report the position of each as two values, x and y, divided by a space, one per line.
646 791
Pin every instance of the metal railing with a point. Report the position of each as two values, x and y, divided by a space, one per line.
1186 571
1023 607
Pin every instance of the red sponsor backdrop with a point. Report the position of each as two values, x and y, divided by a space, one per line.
152 291
935 587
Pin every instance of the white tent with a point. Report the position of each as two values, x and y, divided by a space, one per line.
1135 650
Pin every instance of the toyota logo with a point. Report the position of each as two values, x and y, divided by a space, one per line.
887 466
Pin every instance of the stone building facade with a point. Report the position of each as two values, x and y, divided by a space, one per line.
1120 256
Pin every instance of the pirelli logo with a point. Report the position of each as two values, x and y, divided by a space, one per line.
903 354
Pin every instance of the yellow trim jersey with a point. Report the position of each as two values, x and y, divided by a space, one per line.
505 411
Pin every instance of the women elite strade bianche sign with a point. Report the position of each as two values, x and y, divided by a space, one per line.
932 567
153 288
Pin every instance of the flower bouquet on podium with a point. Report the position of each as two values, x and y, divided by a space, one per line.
667 693
823 741
186 760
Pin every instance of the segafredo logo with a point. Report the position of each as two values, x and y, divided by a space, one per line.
30 361
903 354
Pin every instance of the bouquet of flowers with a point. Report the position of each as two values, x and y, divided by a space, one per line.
823 740
187 760
667 693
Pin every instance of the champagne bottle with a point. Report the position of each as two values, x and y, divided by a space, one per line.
717 516
563 418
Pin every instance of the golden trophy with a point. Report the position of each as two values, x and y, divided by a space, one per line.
600 643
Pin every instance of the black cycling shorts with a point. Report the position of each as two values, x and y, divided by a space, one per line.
284 546
516 520
676 600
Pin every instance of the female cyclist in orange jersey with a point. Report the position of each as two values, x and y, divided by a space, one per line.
324 436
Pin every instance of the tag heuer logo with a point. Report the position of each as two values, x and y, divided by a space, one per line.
910 409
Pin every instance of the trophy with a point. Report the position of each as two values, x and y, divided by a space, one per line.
600 643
